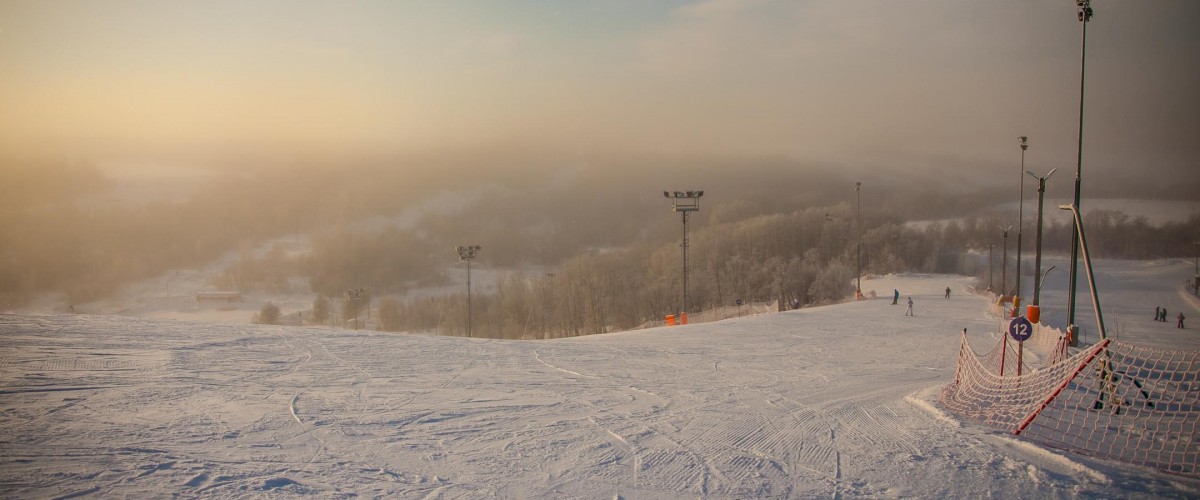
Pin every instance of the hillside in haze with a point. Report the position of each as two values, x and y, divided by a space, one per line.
595 244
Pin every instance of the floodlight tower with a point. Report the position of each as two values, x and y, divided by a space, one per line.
1084 10
354 296
1037 284
467 254
991 273
1024 143
684 202
1196 277
1004 262
1197 245
858 249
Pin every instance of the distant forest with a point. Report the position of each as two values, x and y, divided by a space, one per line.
767 230
805 257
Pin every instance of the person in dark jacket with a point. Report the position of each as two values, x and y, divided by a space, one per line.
895 296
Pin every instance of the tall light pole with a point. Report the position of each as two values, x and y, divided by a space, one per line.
1197 245
1084 10
467 254
684 202
1004 262
1196 276
1024 143
1042 282
991 273
354 297
858 248
1037 285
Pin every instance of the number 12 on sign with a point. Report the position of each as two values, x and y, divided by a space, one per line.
1020 329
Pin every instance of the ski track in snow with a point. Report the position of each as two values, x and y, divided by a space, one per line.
837 402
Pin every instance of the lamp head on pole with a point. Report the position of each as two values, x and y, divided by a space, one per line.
684 201
1043 179
1024 143
1085 10
468 252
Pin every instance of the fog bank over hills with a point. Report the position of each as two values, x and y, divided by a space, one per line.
754 178
594 227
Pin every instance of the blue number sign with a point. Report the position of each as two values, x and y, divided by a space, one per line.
1020 329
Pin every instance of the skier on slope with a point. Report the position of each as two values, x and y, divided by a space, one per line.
895 296
1180 323
947 292
909 312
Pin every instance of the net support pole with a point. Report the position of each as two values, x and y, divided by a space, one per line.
958 363
1087 264
1003 351
1020 355
1032 415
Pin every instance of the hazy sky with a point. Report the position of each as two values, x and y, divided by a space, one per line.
879 82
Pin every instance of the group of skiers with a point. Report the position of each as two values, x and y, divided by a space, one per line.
909 311
1160 314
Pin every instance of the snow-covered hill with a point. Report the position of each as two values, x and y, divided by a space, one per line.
835 402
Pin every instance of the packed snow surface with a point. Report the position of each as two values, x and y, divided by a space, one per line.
832 402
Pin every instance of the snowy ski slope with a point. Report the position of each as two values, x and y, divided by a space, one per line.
831 402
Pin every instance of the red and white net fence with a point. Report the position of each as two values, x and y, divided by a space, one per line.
1111 400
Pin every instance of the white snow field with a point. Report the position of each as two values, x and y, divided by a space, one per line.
828 402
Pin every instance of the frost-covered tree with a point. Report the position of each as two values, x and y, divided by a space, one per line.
350 308
389 315
268 315
833 283
320 310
